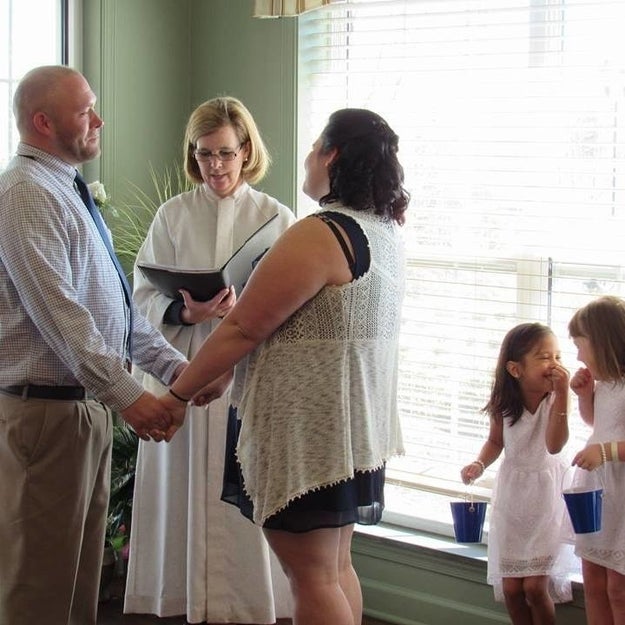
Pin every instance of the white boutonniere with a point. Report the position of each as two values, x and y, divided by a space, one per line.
98 192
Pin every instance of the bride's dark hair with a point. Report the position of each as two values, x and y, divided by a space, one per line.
366 174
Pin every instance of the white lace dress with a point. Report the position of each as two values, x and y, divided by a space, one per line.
529 526
607 546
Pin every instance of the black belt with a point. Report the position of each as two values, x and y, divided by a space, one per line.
35 391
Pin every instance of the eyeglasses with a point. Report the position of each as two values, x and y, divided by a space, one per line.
221 155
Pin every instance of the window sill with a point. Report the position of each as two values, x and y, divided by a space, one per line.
420 540
399 565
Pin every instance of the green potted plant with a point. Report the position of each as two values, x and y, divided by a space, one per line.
124 459
129 221
123 463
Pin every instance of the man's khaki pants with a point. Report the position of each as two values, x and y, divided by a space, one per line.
55 460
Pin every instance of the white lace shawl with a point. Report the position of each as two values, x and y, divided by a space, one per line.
320 394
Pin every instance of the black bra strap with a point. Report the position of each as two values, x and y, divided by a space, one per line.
337 233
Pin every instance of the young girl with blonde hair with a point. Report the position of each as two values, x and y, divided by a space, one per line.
598 331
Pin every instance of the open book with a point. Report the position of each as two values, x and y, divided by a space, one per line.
204 284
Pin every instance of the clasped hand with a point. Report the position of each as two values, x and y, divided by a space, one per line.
177 409
154 419
198 312
158 419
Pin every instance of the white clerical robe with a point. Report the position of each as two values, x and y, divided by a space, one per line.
191 553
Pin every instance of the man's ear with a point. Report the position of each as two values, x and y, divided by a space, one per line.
42 123
512 367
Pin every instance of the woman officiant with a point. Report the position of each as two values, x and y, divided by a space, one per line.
190 553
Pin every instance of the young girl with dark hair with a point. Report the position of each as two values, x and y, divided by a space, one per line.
528 560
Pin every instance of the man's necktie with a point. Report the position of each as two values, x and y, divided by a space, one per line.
85 194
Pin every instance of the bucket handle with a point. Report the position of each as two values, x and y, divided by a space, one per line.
469 496
601 472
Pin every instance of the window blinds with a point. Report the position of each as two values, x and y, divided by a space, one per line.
511 117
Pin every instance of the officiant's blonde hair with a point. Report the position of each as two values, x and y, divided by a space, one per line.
217 113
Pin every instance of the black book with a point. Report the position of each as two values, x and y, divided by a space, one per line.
204 284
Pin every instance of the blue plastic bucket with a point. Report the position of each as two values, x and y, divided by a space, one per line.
584 508
468 520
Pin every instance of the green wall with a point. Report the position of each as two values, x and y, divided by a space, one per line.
412 578
152 61
254 60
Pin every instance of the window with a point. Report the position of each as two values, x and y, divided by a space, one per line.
26 40
511 117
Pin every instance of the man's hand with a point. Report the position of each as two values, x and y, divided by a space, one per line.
147 415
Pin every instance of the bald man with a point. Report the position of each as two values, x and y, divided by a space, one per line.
65 322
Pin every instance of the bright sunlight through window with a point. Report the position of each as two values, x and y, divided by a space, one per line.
511 117
30 35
